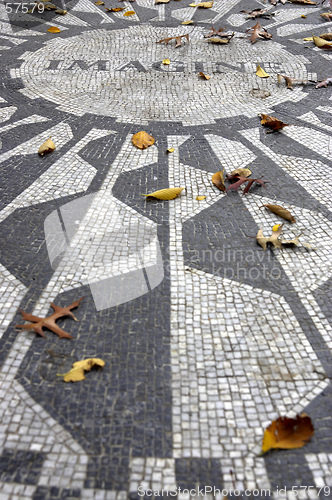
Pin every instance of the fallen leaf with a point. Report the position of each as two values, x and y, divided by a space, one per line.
205 5
262 240
290 80
258 31
288 433
77 372
306 2
166 61
170 150
50 322
177 38
272 122
241 180
324 83
205 77
99 2
303 16
294 241
50 6
282 212
220 40
321 42
165 194
47 147
115 9
53 29
193 5
241 172
61 12
187 22
327 16
252 14
200 198
308 39
219 32
142 140
261 72
161 1
276 227
129 13
218 180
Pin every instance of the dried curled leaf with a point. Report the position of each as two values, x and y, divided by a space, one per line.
261 72
142 140
54 29
161 1
205 77
258 31
99 2
324 83
327 16
252 14
187 22
77 372
241 172
50 322
219 40
274 238
61 12
290 80
47 147
170 150
177 38
306 2
165 194
321 42
294 241
272 122
218 180
241 180
282 212
288 433
200 198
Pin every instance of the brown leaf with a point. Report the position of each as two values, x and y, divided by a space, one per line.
142 140
50 322
205 77
218 33
294 241
241 172
253 14
129 13
327 16
324 83
262 240
77 372
282 212
219 40
288 433
177 38
165 194
306 2
272 122
99 2
218 180
258 31
61 12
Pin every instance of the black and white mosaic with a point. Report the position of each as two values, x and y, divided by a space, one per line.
206 337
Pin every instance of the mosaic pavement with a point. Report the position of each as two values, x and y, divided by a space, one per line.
206 337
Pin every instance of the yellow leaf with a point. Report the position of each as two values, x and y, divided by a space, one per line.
276 227
166 61
205 77
187 22
115 9
288 433
47 147
261 73
99 3
142 140
200 198
241 172
53 29
61 12
193 5
308 39
165 194
170 150
77 372
129 13
161 1
205 5
322 43
303 16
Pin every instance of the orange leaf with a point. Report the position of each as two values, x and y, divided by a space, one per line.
272 122
218 180
288 433
142 140
54 29
129 13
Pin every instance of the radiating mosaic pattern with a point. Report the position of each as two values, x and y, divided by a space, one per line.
206 337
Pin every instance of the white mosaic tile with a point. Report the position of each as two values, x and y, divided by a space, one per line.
320 465
6 113
25 121
152 474
12 292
